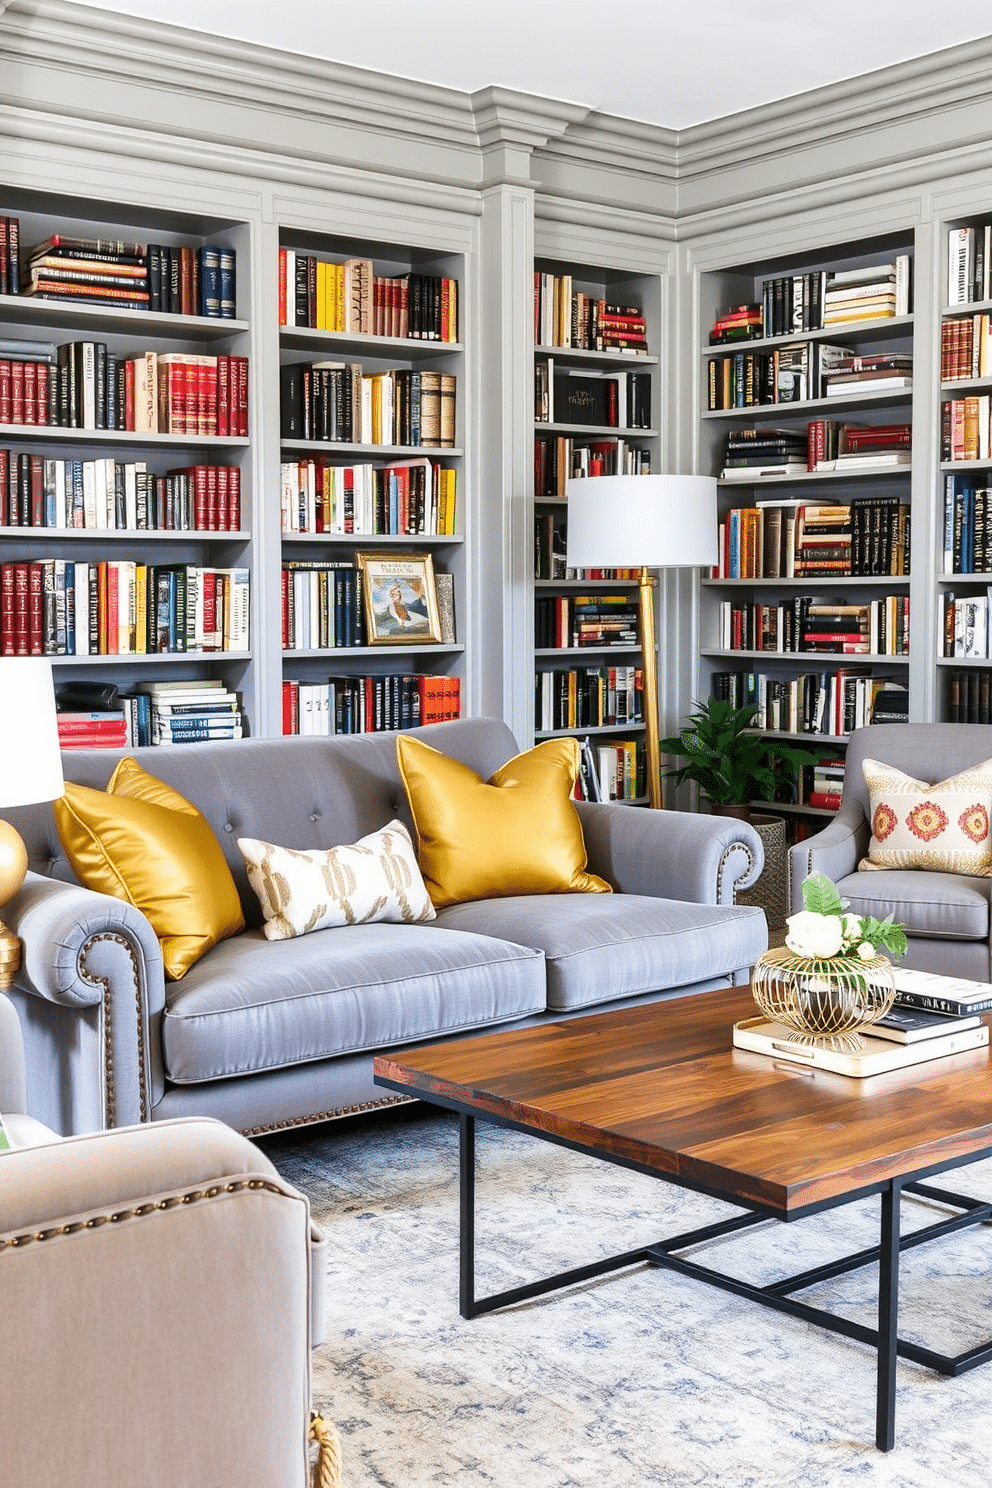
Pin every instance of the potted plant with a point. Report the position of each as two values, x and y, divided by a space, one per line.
731 763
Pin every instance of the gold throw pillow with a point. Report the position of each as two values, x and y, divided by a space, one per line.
516 833
143 842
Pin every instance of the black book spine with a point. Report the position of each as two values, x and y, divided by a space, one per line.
100 384
300 290
154 262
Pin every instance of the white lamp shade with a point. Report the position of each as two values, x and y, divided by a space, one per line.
642 521
30 759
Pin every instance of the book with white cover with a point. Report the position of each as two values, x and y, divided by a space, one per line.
941 994
877 1058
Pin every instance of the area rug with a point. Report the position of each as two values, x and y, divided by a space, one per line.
639 1378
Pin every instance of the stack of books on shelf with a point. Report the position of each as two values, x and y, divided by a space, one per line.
969 264
969 697
107 494
406 497
572 318
827 784
368 704
588 697
350 297
94 728
10 255
739 323
828 703
598 620
321 605
874 447
611 772
965 347
558 459
186 712
965 429
59 607
878 372
967 526
613 400
187 280
965 625
82 385
337 402
876 292
756 452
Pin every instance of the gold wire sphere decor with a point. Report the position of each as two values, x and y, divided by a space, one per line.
823 1000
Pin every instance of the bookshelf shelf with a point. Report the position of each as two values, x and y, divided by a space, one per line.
594 431
367 347
367 653
136 324
591 651
373 452
780 411
861 330
120 438
128 535
813 661
374 539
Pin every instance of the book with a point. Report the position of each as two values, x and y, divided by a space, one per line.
878 1056
956 995
904 1025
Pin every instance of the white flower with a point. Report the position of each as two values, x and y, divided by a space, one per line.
814 934
852 929
866 950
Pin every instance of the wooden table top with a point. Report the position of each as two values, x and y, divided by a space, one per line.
663 1087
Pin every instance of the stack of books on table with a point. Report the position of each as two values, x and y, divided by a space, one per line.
185 712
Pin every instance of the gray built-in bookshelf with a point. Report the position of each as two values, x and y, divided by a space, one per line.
191 143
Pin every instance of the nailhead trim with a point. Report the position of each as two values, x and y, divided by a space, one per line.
108 1052
357 1110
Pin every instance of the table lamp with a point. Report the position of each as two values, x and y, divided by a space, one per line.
30 772
644 522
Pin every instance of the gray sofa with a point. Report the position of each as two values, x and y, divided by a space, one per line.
946 914
268 1034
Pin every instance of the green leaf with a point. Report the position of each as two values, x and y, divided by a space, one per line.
821 896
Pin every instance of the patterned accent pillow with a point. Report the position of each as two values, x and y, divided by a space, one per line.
376 878
942 827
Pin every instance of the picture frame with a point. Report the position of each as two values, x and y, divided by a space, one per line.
400 596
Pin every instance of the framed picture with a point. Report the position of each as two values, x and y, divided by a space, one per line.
400 598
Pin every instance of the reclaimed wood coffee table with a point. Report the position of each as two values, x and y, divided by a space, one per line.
661 1089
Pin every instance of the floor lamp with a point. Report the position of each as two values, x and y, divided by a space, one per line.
30 772
644 522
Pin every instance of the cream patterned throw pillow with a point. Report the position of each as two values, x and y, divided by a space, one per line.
376 878
942 827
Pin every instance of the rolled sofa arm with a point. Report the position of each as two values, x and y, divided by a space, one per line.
176 1258
90 996
671 854
835 851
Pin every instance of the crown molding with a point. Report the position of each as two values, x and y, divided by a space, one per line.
506 116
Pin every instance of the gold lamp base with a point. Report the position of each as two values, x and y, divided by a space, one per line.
13 867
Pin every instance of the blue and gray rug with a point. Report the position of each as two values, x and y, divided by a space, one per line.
640 1378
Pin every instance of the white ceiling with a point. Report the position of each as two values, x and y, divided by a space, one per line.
662 62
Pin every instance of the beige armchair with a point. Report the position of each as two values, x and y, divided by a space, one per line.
155 1291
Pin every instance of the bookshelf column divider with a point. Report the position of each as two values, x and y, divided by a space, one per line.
268 537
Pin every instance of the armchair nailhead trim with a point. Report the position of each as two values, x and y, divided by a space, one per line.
738 847
193 1196
108 1052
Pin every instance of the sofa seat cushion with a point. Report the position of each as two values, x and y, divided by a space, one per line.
599 948
254 1004
951 905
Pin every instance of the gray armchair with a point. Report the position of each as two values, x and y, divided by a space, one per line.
155 1286
947 915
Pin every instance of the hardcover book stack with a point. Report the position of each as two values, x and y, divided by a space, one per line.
965 347
337 402
757 452
965 429
187 280
10 255
321 605
189 712
567 318
805 623
876 292
969 264
739 323
106 494
405 498
588 697
828 783
874 447
879 372
59 607
351 297
93 728
967 525
599 620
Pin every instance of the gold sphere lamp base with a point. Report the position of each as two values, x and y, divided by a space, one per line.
13 867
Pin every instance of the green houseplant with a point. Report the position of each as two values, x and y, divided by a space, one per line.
729 761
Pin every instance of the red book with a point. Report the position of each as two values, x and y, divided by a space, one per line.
4 487
219 497
233 523
41 393
6 391
282 306
223 396
211 639
37 488
7 611
207 403
17 392
290 705
242 419
187 284
287 580
30 393
129 394
36 609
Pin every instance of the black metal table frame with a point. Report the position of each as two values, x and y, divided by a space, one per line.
778 1295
